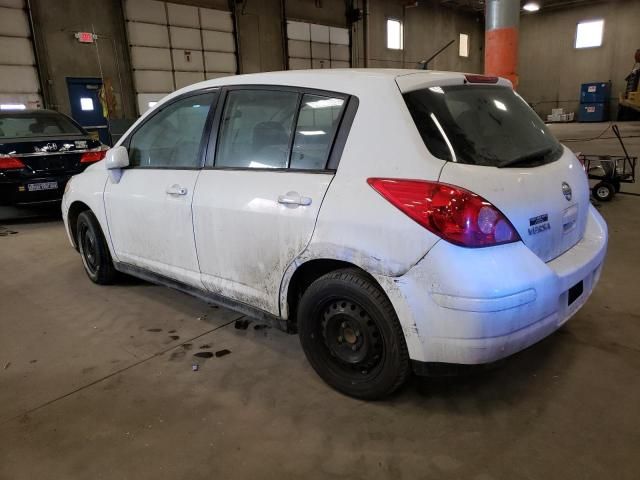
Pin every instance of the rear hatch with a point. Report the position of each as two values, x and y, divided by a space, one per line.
498 148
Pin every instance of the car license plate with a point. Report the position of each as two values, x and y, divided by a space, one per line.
36 187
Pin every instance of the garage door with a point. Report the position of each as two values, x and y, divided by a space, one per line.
176 45
19 84
317 46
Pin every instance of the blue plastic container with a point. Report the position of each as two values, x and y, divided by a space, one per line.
593 112
598 92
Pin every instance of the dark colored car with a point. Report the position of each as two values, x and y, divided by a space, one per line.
39 151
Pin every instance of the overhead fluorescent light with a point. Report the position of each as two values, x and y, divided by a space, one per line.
329 102
500 105
531 6
312 132
13 106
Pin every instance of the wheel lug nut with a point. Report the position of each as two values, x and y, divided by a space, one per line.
344 325
357 333
340 339
354 348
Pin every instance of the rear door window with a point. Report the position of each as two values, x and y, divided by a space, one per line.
318 121
256 129
483 124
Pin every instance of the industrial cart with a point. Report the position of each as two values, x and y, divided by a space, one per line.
610 171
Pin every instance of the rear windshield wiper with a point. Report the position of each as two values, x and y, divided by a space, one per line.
526 157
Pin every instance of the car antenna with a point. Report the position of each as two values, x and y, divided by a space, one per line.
424 63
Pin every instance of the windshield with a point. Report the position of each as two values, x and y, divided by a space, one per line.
483 125
25 125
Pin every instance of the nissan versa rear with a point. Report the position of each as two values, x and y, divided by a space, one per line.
394 219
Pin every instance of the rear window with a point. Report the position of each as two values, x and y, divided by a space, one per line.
25 125
483 124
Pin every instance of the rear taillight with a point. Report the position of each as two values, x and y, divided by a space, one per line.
7 162
93 156
453 213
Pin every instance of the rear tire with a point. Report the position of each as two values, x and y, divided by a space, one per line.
351 335
604 191
94 251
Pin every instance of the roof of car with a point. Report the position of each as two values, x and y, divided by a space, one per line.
347 80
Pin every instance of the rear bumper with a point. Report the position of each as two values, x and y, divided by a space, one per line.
473 306
15 192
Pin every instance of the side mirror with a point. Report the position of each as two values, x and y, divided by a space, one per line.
117 158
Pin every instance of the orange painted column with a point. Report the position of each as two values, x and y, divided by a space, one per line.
502 19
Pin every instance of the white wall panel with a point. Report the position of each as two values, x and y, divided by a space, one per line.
220 62
183 15
298 31
18 79
212 75
187 60
185 38
177 49
216 20
317 46
187 78
153 81
13 3
299 63
19 82
340 52
320 50
339 36
16 51
340 64
320 63
14 22
299 49
319 33
148 35
218 41
147 58
149 11
30 100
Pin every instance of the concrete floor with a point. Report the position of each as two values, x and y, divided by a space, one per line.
92 386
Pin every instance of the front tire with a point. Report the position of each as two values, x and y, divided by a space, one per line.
351 335
94 251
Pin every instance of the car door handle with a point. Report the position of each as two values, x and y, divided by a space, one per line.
176 190
294 198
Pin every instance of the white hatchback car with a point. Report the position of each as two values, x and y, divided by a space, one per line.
395 219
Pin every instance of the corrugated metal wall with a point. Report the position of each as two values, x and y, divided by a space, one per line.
19 82
317 46
176 45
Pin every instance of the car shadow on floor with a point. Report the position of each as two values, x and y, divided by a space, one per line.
509 380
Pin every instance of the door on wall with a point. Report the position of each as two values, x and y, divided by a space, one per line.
310 45
86 108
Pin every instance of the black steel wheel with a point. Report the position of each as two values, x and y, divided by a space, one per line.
94 250
351 335
603 191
